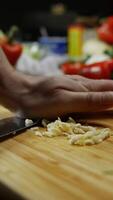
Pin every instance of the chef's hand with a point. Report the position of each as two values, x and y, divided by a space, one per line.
52 96
56 96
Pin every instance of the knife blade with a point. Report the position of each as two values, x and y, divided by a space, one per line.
14 125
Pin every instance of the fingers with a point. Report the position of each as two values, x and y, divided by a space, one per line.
50 84
77 77
94 85
70 102
88 101
99 85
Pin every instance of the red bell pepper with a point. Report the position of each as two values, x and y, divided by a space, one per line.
110 22
101 70
71 68
12 51
105 31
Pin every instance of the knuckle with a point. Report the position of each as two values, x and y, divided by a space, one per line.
47 85
89 98
52 82
102 98
56 83
107 98
93 99
58 96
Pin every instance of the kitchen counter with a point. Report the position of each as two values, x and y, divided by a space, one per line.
50 169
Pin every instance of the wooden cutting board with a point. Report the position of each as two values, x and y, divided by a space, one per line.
51 169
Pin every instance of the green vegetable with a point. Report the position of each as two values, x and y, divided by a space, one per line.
109 52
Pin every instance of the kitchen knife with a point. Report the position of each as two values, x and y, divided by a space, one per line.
14 125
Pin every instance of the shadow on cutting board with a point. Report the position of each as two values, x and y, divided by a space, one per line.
8 194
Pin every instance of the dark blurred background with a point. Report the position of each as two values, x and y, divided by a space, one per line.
32 16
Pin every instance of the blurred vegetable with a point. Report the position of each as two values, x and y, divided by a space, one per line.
11 49
105 31
109 52
97 58
34 51
110 22
100 70
72 68
94 46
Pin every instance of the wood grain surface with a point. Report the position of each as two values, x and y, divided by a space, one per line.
51 169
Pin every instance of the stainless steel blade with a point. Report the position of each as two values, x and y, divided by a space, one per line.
14 125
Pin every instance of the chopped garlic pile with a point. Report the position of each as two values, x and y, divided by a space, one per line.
76 133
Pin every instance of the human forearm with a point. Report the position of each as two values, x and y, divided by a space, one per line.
5 72
52 96
5 67
12 84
